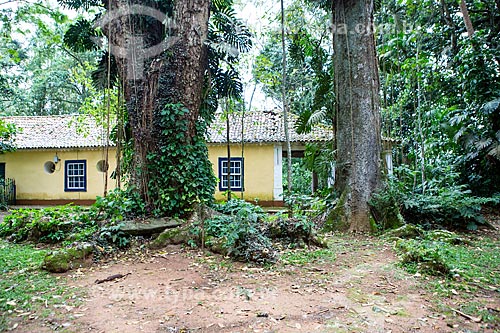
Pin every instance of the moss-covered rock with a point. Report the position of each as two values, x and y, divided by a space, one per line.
174 236
445 236
320 241
406 231
216 245
294 232
150 226
64 260
385 213
426 255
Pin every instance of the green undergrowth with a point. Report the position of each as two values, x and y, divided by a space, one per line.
48 225
464 270
238 231
99 223
24 287
245 232
301 257
472 261
441 205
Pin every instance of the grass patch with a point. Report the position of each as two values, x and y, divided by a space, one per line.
472 263
24 287
465 270
301 257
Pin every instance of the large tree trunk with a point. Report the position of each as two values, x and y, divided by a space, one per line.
174 76
358 118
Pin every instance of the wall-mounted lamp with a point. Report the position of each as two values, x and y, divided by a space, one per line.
56 159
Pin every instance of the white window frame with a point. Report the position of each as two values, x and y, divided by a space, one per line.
236 177
75 179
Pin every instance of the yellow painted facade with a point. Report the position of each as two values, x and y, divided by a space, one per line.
258 169
33 182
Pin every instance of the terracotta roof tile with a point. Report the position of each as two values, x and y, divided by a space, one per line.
44 132
39 132
262 126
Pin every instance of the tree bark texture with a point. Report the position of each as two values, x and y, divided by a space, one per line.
466 17
358 115
174 76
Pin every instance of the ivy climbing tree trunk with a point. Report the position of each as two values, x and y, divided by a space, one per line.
163 97
358 115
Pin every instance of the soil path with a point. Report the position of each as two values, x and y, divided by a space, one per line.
183 291
358 289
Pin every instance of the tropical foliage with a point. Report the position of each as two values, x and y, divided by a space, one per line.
35 66
441 90
439 96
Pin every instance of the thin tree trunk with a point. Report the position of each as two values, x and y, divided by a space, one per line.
449 21
467 20
419 124
119 138
228 139
358 115
108 111
243 137
285 103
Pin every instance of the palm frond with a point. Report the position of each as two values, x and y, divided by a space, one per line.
228 84
317 117
458 118
491 106
483 143
302 123
226 28
80 4
80 36
100 74
495 150
220 5
460 133
471 155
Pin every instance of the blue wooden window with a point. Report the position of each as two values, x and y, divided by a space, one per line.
75 176
236 173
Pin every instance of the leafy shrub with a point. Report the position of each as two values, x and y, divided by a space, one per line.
306 204
429 256
296 232
118 205
237 206
441 205
242 231
452 207
112 235
246 232
48 225
74 223
301 176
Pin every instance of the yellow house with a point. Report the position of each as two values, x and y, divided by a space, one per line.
257 150
60 160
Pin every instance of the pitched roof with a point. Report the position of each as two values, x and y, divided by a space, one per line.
66 131
261 127
74 131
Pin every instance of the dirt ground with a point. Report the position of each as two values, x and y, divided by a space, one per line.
177 290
